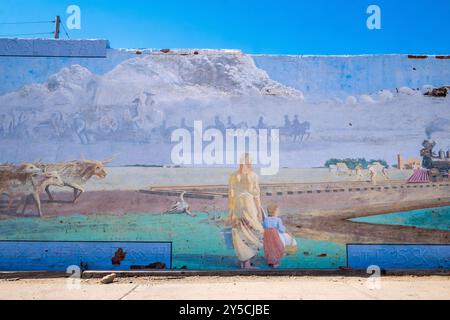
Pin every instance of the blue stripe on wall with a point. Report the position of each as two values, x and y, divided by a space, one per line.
398 256
57 256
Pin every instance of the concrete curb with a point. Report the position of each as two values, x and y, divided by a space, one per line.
263 273
32 274
220 273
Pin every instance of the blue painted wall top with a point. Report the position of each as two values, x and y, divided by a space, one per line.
53 48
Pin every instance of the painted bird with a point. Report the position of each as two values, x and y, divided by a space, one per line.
180 206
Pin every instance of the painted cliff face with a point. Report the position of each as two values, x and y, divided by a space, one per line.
344 156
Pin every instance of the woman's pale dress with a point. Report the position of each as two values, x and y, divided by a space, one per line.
244 209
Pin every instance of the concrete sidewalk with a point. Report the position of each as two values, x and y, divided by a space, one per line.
230 288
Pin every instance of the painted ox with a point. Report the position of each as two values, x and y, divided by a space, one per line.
76 174
26 181
11 174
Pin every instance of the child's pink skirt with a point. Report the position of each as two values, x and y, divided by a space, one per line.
273 247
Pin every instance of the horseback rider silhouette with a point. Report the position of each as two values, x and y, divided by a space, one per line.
219 124
261 124
230 124
296 122
287 122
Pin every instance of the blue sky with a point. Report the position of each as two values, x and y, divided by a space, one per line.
255 26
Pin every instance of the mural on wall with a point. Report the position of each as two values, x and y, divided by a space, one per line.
89 156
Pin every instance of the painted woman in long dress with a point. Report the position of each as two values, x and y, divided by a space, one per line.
245 215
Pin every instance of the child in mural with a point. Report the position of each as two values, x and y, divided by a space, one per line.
245 213
373 174
277 241
385 173
359 172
